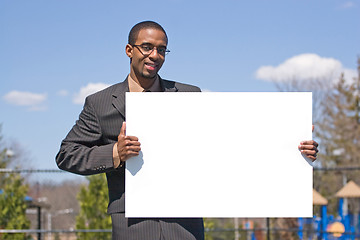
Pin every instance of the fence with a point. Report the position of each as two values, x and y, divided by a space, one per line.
210 234
58 222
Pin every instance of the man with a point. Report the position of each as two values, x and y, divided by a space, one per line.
98 142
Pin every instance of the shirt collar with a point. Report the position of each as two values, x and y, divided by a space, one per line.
135 87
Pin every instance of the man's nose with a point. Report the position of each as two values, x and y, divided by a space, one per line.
154 53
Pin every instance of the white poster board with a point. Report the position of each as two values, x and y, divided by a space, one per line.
219 155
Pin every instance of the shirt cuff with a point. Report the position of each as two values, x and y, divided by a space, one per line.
116 157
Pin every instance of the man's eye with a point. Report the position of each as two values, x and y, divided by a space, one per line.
161 50
146 48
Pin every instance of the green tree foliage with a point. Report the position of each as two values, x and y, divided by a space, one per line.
220 229
13 206
209 224
93 200
12 200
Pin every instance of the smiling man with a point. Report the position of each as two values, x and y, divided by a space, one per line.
98 143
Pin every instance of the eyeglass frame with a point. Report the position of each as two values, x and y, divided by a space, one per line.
140 46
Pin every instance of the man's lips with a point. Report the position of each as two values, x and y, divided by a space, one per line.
151 66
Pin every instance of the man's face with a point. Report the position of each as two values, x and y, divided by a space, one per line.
144 67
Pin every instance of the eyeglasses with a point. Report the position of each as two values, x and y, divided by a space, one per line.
147 49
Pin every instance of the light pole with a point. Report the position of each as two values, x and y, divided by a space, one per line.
236 226
338 153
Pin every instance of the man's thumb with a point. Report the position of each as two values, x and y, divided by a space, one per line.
123 129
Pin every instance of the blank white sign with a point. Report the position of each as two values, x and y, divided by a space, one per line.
219 155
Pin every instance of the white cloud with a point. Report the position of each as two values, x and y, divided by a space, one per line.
348 4
32 100
89 89
63 93
305 67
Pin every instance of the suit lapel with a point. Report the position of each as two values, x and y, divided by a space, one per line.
119 94
119 97
168 86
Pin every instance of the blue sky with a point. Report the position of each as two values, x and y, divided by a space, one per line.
50 50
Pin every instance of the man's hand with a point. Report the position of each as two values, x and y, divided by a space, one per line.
127 146
309 148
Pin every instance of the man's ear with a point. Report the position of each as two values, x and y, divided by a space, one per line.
129 50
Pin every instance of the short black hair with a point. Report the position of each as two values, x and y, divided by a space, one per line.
134 32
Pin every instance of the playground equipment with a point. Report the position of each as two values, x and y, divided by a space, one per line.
350 220
346 225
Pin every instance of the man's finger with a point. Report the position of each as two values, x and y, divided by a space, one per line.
310 142
131 138
308 147
312 158
132 149
309 152
131 141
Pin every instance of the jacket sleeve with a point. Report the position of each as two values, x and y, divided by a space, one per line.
83 151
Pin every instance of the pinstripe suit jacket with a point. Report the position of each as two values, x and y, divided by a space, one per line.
88 147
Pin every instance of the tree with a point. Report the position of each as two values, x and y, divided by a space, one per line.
93 204
339 132
12 199
220 229
13 206
340 128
